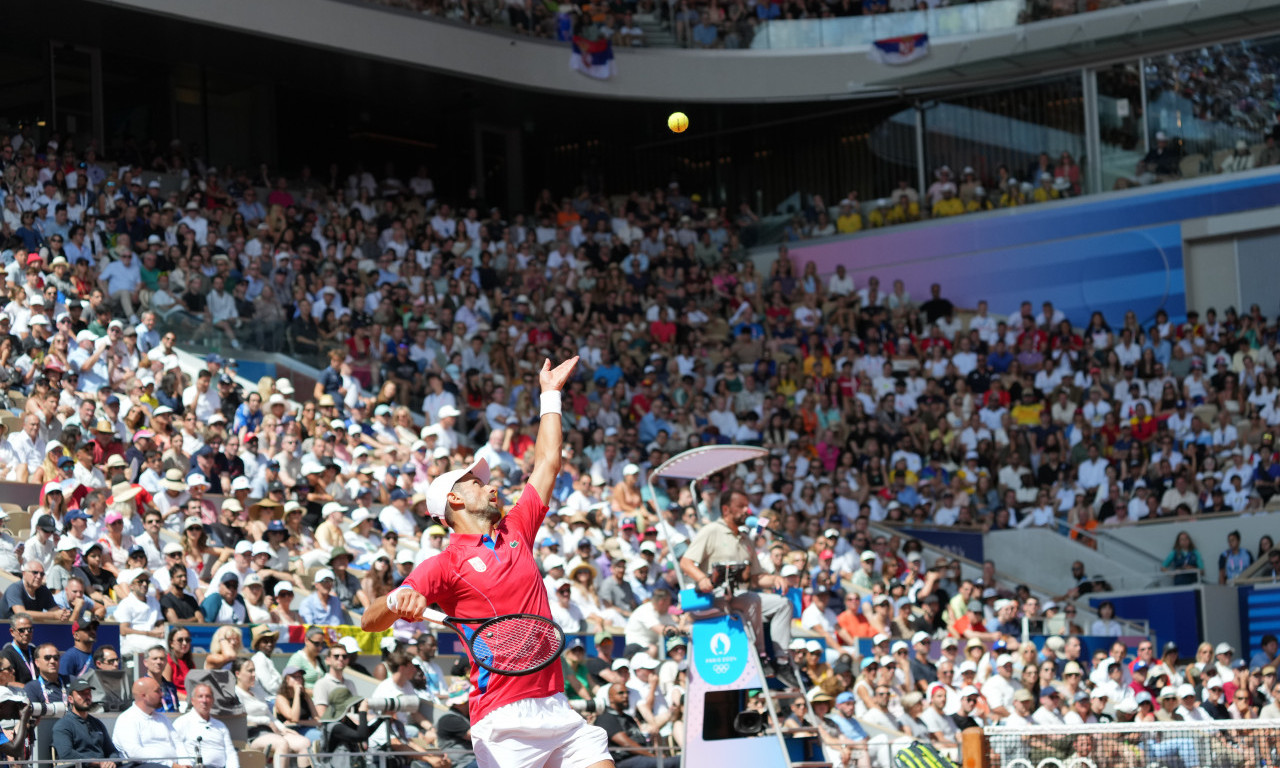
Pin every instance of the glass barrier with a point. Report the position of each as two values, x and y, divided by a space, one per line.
968 19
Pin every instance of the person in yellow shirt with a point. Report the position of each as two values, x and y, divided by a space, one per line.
904 211
1045 192
979 201
949 205
1027 412
881 215
1012 196
850 218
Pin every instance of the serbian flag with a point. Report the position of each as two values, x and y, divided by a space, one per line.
593 58
900 50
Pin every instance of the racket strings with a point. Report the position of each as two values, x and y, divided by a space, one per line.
517 643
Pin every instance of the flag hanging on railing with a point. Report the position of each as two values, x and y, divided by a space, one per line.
900 50
593 58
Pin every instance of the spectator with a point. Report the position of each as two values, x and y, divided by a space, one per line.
78 735
142 732
198 733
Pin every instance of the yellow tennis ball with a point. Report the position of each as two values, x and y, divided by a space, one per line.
677 122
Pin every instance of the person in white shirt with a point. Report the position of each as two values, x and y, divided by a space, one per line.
203 398
1040 516
143 732
841 283
942 728
1092 472
28 450
1047 714
139 614
395 732
649 623
999 689
820 619
1189 707
206 740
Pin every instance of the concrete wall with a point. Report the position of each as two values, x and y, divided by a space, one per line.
1044 557
1230 260
1209 534
713 76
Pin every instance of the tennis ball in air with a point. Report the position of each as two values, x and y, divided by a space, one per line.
677 122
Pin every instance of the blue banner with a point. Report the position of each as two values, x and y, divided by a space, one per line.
966 545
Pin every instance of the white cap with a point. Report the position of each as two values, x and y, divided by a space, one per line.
172 548
967 666
322 574
883 637
350 645
789 570
649 546
553 561
404 556
968 691
1213 682
359 516
331 507
797 644
1223 648
244 547
621 664
447 411
868 555
283 586
643 660
438 491
630 469
920 637
262 548
1186 690
240 484
1003 659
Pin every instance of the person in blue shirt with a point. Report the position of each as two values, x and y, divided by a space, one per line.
653 422
843 717
249 415
1268 653
608 371
224 605
78 659
322 606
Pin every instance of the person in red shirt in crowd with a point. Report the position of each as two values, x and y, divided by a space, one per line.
970 625
488 569
1142 426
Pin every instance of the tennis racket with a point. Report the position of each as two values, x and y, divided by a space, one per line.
513 645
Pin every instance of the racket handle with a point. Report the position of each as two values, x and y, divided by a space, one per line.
435 616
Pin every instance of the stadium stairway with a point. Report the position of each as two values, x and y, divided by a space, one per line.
656 35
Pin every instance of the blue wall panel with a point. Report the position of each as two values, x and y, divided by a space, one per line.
1172 615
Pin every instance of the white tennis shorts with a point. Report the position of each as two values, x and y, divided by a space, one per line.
538 733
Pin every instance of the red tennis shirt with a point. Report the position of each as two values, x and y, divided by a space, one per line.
481 576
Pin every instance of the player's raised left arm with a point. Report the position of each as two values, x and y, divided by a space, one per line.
546 457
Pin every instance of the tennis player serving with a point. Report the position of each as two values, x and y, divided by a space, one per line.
517 720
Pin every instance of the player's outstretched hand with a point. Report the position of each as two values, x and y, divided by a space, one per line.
553 379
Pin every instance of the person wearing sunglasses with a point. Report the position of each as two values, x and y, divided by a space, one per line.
49 686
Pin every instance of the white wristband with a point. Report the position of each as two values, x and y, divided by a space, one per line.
550 402
391 597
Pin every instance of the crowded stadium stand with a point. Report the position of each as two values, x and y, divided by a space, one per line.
1005 409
